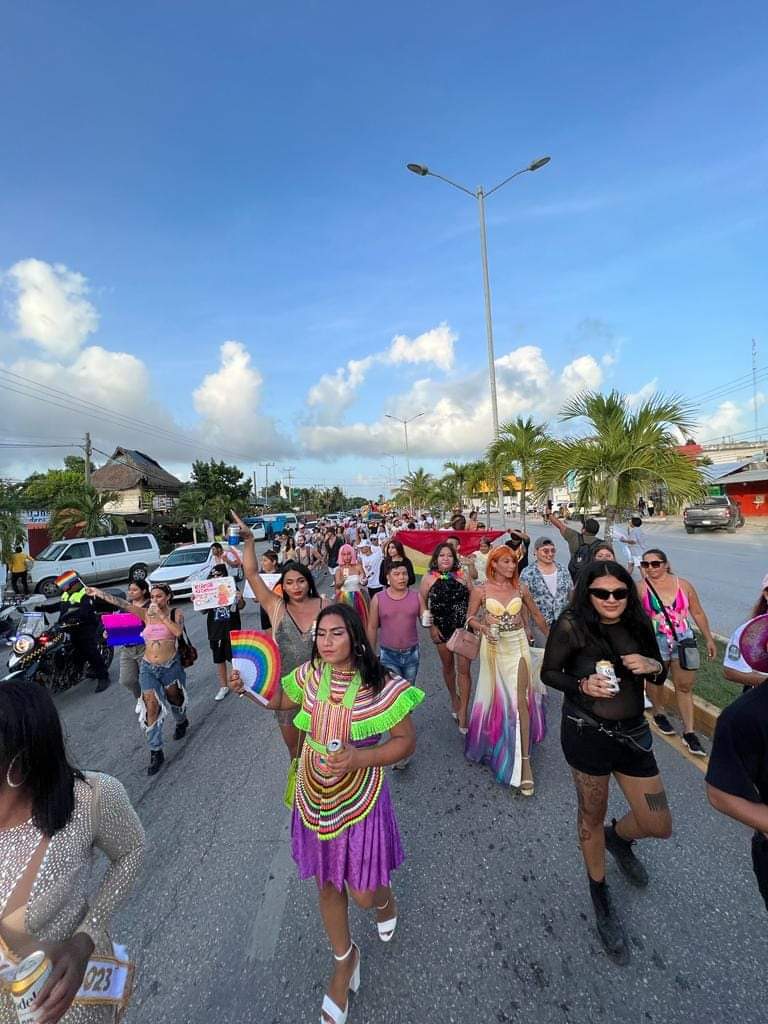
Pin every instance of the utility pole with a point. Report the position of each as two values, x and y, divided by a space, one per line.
754 384
88 452
266 466
288 470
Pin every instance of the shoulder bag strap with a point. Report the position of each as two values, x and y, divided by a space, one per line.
663 608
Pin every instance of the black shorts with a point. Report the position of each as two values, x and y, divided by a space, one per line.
760 863
592 752
221 650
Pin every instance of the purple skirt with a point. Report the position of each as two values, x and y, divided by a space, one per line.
363 855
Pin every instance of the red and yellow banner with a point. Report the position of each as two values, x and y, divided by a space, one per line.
419 544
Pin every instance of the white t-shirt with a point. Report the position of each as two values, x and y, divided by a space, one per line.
732 658
372 564
550 578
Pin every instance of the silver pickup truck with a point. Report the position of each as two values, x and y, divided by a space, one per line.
713 514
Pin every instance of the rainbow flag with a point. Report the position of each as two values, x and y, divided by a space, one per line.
66 579
419 544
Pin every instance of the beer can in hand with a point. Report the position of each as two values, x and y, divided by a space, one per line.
31 976
334 746
493 632
426 618
607 671
233 534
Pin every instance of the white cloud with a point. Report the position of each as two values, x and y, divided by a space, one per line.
457 420
648 390
335 392
228 403
50 307
435 346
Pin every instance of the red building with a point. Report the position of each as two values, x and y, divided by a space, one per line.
748 486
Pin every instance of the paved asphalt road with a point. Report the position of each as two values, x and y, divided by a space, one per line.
495 918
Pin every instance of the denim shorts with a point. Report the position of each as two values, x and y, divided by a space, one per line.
668 648
155 677
403 663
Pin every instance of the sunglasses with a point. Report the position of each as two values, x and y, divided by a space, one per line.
605 595
653 564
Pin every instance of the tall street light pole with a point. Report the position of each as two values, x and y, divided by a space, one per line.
405 428
481 195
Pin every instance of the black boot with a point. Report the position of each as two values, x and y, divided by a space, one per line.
621 849
609 926
156 758
181 729
102 685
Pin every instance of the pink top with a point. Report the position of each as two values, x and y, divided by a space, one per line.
156 631
677 611
398 621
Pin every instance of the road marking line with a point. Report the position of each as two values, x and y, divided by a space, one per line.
265 932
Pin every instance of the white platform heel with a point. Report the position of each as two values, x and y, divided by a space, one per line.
387 928
329 1008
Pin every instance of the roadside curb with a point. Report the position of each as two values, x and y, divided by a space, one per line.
705 714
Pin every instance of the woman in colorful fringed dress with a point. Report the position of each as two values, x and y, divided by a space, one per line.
350 582
507 716
344 831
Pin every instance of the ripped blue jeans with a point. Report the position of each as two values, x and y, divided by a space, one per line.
156 679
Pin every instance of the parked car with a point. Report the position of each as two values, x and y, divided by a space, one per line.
716 513
184 565
96 560
256 524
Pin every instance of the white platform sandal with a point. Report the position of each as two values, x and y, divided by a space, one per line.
387 928
329 1009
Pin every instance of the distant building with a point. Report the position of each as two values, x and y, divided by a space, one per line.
142 485
747 484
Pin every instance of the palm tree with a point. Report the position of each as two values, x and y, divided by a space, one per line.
444 493
11 534
625 452
415 488
478 473
83 509
458 471
191 508
518 446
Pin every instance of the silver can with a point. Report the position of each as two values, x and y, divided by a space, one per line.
426 618
493 632
334 746
233 534
31 976
607 671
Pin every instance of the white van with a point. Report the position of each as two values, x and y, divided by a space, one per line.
96 560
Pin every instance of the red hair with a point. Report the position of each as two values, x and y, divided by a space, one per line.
497 553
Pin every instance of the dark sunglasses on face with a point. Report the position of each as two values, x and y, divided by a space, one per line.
604 595
652 564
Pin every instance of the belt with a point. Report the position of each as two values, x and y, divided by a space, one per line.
400 650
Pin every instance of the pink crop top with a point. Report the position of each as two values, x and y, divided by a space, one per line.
156 631
677 611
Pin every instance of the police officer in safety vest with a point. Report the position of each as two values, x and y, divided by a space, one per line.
76 609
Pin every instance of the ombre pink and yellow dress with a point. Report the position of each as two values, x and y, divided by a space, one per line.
344 828
494 737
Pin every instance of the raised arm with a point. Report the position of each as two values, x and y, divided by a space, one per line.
261 591
118 602
558 523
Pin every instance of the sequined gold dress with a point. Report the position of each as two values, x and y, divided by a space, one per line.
59 903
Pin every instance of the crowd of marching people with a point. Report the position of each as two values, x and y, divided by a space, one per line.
350 619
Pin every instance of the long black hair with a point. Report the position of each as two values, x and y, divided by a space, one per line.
436 554
633 617
32 750
302 570
398 548
362 655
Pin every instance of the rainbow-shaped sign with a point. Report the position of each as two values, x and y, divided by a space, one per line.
256 656
122 629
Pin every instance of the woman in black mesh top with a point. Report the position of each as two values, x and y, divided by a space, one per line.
606 633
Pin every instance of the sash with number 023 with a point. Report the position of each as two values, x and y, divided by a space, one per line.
108 980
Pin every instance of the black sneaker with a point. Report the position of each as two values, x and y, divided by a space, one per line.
664 725
628 863
609 926
156 758
691 740
181 729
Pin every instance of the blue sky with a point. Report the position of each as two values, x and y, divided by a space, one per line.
178 176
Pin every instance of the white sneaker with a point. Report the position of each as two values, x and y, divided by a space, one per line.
221 693
139 706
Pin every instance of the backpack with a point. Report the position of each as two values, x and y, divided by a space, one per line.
581 556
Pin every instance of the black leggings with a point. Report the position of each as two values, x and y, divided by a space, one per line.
760 863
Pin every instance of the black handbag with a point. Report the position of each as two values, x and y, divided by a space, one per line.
687 648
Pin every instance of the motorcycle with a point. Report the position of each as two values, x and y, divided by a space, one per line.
44 653
11 612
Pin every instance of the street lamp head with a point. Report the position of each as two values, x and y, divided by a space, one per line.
418 169
541 162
